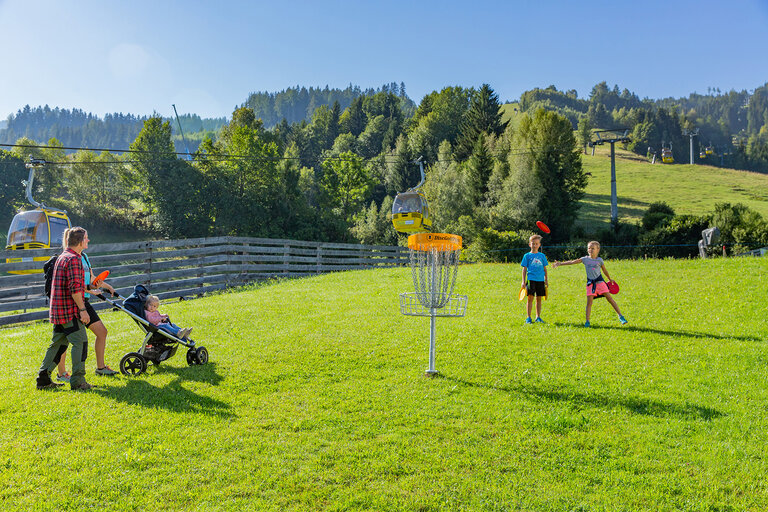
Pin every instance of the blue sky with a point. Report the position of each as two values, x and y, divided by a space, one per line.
206 57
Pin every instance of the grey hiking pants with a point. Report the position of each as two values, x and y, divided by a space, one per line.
73 333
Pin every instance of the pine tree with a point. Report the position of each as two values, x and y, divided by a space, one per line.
548 181
483 116
354 118
479 169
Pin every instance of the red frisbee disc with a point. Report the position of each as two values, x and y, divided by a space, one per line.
542 226
613 287
101 276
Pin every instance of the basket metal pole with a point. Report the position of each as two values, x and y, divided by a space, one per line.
432 321
432 312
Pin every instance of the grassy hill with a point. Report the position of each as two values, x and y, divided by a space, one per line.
315 399
689 189
509 111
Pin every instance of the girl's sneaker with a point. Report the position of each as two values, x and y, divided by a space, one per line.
528 320
539 320
63 378
622 320
586 324
105 371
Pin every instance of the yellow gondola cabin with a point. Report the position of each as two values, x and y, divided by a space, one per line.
41 228
35 229
410 213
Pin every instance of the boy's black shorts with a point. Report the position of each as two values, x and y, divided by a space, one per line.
536 288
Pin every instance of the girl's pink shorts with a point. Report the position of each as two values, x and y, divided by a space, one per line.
600 289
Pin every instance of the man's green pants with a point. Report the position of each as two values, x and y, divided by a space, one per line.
73 333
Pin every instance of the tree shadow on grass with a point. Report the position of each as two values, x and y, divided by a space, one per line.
627 207
634 328
174 396
633 404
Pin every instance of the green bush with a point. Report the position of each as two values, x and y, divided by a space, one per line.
741 228
620 242
677 238
490 245
656 215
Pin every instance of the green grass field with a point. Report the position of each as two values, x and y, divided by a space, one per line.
689 189
315 399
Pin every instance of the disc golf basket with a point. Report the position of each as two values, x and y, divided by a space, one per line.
434 259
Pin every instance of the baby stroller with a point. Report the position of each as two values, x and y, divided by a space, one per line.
158 345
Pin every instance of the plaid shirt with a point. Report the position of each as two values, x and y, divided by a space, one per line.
68 277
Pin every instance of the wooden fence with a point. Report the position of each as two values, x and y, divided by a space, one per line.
185 268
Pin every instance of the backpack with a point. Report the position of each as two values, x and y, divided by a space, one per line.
48 272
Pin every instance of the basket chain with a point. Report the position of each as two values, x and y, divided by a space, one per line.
434 275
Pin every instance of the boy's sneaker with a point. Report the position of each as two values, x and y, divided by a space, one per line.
528 320
586 324
622 320
63 378
105 371
539 320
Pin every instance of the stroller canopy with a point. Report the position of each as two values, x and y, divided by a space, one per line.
135 301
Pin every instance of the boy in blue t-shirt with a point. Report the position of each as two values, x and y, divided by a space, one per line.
535 273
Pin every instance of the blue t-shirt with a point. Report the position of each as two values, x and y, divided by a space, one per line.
535 263
87 276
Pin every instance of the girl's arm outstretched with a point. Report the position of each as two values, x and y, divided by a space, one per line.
571 262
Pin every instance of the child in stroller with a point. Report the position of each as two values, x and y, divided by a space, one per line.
154 317
159 344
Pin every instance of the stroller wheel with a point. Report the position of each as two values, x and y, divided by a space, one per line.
201 355
133 364
191 357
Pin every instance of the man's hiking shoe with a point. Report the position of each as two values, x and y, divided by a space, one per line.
63 378
622 320
50 385
83 387
107 371
586 324
539 320
528 320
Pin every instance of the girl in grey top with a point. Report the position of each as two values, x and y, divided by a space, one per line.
596 286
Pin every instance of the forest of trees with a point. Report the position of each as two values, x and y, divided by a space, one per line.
297 104
332 175
76 128
734 124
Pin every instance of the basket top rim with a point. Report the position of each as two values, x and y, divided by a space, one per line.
438 241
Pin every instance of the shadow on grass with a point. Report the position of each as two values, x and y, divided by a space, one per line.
202 373
634 328
173 396
633 404
627 207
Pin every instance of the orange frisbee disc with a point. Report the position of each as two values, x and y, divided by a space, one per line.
101 276
542 226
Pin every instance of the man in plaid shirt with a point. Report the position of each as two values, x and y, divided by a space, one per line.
67 313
